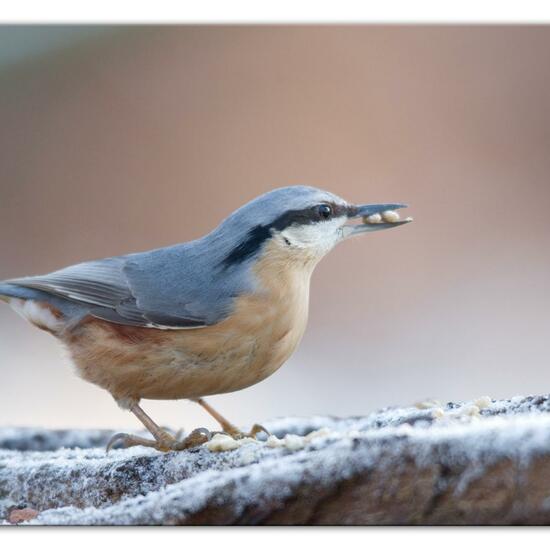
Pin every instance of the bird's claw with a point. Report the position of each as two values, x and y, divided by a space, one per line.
235 433
128 440
195 438
257 429
164 443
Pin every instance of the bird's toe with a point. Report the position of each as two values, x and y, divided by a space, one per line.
194 439
128 440
256 429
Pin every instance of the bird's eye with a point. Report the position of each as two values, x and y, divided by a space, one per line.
325 211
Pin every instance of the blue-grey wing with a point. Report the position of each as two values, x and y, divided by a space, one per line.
122 290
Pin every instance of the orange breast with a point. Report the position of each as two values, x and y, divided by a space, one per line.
260 335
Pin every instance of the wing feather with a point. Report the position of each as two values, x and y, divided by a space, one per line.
104 286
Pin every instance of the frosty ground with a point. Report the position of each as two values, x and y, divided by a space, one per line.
480 462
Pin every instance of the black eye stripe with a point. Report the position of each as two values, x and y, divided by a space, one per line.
309 215
261 233
247 248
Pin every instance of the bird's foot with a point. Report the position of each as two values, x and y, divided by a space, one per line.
165 442
235 433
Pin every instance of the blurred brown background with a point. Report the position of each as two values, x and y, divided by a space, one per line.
122 139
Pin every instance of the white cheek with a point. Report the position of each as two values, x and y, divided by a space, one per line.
321 236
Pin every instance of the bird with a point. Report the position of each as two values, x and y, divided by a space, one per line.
200 318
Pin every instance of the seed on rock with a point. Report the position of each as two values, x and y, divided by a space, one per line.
483 402
273 441
222 442
294 442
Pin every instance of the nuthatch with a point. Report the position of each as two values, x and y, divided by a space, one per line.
209 316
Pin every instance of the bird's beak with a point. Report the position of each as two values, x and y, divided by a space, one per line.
374 217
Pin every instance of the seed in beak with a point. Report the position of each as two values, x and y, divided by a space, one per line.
373 218
390 216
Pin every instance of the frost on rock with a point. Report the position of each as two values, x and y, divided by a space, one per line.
484 461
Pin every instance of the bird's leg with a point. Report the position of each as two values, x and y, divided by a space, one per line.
228 427
163 440
162 437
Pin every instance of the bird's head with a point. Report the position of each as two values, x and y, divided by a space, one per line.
302 223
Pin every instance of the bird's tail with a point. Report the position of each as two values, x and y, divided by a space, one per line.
30 304
8 291
4 293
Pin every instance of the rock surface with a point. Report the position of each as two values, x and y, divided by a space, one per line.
484 462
